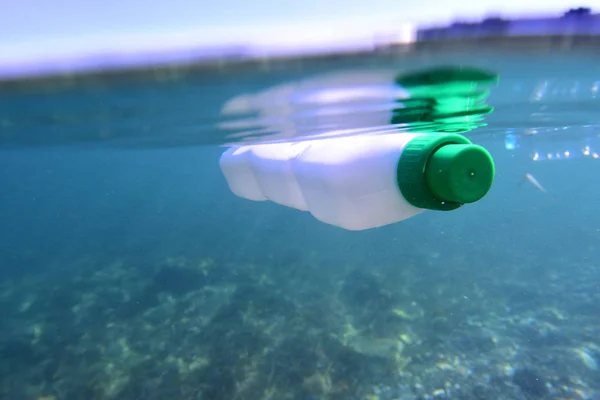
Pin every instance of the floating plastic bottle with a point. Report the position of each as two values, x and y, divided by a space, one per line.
362 182
370 179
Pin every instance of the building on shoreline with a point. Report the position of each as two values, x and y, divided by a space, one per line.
575 22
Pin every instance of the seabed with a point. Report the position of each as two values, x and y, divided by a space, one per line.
195 329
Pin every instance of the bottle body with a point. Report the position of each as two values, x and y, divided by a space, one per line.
236 166
350 182
272 165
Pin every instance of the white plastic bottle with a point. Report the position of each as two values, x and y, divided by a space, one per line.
236 166
363 182
273 168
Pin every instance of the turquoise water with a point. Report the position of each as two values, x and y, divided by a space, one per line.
130 271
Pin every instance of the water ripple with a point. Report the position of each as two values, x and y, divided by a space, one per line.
229 108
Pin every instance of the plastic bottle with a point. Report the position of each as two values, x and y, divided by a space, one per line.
236 166
273 168
363 182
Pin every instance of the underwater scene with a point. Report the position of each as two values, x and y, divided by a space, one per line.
133 267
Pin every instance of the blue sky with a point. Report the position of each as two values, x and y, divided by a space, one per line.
32 29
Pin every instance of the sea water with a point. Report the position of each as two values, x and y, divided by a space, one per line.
129 271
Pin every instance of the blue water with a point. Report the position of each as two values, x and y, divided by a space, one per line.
130 271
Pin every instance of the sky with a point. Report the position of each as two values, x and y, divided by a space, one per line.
36 30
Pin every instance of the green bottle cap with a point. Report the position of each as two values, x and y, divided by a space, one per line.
461 173
444 171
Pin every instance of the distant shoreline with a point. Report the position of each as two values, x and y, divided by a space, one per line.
485 44
529 42
168 72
